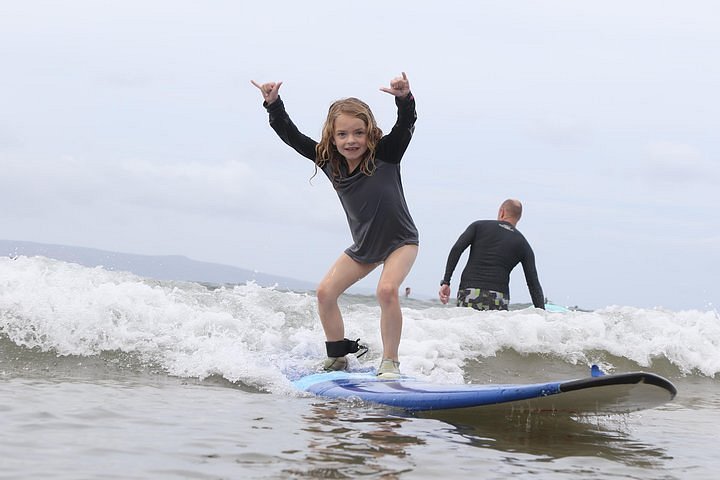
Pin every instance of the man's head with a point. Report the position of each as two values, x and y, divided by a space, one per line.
510 211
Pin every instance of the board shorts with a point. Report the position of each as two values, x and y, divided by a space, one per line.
481 299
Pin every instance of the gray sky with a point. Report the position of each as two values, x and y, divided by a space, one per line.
132 126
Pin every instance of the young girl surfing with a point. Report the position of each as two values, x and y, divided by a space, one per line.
364 168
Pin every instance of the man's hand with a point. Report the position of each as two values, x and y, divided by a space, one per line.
444 294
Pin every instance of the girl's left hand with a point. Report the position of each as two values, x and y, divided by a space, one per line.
399 86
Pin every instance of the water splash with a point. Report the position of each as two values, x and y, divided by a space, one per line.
261 336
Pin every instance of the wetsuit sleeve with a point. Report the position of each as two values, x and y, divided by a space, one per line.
464 241
531 277
392 146
288 132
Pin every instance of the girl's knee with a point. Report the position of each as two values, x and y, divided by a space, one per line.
387 293
325 294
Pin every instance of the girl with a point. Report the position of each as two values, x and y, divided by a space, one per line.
364 168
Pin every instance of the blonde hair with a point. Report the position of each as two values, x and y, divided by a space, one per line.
327 152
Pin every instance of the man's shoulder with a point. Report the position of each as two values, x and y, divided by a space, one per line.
496 225
508 230
484 223
492 228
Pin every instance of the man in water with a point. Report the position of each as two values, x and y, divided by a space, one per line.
496 247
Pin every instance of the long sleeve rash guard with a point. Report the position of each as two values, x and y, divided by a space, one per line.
375 205
496 247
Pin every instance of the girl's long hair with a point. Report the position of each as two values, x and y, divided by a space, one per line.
327 152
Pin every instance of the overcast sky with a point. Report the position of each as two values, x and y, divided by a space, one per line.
132 126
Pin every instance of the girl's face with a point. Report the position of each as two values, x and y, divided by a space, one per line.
350 137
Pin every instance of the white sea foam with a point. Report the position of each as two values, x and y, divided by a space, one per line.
261 336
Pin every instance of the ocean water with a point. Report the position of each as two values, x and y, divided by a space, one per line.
105 374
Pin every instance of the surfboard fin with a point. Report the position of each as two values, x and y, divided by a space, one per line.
596 372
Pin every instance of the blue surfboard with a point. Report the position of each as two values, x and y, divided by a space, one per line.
598 394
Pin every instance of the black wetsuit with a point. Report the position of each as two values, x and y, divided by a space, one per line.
495 249
375 206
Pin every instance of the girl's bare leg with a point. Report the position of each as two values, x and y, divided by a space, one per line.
343 274
396 268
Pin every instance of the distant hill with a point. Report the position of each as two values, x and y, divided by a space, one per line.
167 267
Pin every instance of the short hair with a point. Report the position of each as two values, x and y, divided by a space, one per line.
512 207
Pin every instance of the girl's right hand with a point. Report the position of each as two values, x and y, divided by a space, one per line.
269 90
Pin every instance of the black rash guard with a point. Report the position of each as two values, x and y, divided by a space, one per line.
495 249
375 206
